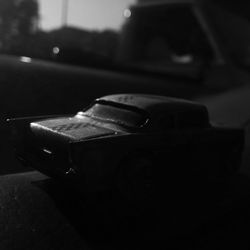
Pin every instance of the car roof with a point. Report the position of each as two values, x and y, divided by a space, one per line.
154 103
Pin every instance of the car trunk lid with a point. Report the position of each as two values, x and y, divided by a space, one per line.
69 129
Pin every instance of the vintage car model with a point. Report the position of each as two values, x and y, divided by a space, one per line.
130 141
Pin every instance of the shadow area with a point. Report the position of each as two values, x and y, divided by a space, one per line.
180 218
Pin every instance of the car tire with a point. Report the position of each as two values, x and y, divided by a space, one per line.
135 177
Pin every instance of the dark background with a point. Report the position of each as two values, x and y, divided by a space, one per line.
40 213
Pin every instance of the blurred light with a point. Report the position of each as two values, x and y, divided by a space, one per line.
127 13
47 151
56 50
183 59
25 59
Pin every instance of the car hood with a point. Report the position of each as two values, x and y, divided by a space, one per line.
71 128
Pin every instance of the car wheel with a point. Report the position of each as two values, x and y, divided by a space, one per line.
135 177
233 161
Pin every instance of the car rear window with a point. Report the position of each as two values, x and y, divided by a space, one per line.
118 115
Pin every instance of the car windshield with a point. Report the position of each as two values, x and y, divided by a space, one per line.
172 37
119 115
113 34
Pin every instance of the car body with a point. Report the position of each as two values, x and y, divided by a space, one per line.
125 137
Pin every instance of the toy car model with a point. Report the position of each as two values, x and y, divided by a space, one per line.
132 141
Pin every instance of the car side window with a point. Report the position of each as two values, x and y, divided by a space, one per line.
174 36
163 122
190 120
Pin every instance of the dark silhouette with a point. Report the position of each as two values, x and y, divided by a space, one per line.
18 20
